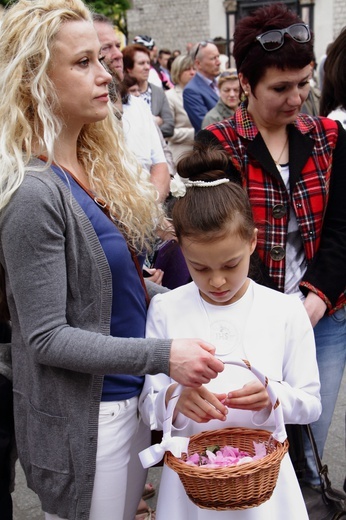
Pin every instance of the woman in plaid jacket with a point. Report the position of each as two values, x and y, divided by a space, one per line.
293 168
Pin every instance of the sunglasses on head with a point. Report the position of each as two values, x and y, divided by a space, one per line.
200 46
226 74
274 39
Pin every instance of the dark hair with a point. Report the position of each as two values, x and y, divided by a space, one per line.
129 53
207 212
252 60
164 51
125 84
334 83
170 62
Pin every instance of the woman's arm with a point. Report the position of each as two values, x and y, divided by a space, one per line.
326 273
47 270
50 267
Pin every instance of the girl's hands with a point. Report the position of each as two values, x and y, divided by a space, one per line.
199 404
253 396
202 406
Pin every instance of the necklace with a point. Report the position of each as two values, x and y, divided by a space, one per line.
277 161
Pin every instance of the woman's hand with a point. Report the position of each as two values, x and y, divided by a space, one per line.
315 307
199 404
192 362
253 396
158 120
155 275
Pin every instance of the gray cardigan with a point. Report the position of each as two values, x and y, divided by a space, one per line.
58 286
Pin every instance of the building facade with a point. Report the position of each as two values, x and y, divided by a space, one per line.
175 23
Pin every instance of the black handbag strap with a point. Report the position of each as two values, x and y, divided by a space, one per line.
329 494
318 461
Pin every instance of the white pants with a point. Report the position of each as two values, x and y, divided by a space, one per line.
117 426
137 475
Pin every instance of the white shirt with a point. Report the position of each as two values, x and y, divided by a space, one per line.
295 256
154 78
141 134
339 114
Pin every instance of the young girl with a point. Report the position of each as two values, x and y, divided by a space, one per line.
215 229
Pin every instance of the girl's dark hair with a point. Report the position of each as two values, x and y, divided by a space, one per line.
125 84
252 60
207 212
334 82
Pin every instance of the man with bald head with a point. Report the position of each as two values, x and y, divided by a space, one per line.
201 93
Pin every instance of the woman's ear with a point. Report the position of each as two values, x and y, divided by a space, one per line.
244 83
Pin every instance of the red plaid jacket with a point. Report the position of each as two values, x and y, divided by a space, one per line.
318 190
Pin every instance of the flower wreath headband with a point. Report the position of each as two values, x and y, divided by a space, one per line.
178 185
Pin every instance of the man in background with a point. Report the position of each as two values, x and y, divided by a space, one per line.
201 93
162 60
148 148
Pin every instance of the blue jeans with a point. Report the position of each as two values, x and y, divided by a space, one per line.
330 337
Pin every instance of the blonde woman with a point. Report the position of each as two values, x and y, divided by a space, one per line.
229 88
182 72
75 215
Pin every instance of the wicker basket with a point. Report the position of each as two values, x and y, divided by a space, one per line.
235 487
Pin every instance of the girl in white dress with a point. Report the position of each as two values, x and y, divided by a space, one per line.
215 229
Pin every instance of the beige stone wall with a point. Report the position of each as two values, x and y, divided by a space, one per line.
172 23
339 18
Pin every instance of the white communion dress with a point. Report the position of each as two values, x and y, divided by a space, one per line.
273 332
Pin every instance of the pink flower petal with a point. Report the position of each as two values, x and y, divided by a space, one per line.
226 456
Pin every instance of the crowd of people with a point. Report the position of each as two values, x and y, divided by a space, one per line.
107 153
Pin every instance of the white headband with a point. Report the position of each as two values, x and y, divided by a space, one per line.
205 184
179 185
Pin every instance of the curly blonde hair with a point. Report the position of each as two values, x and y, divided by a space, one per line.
29 125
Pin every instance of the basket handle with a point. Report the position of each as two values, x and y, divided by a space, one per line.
279 434
178 445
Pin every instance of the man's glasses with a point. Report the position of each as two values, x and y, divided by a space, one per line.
274 39
200 46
